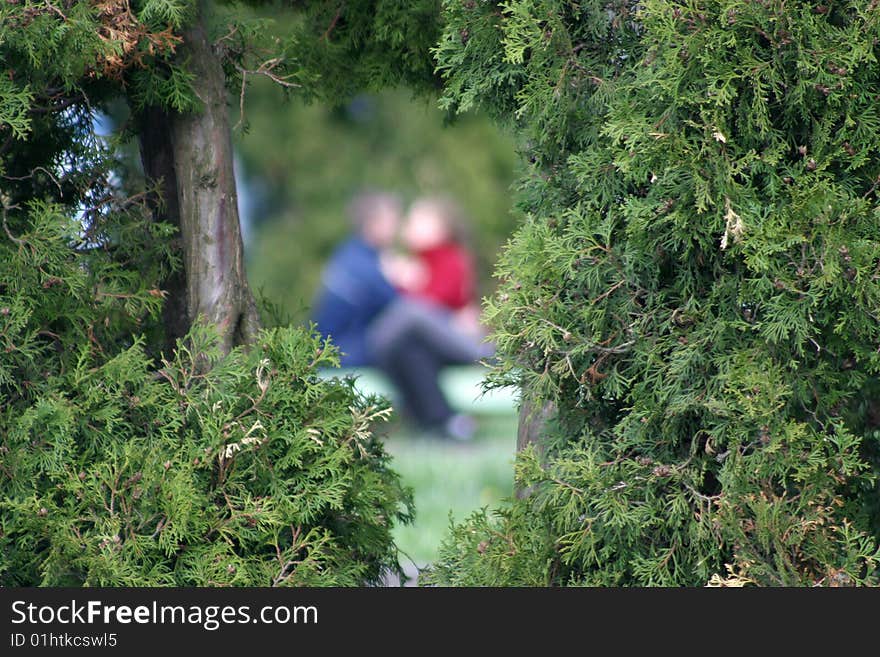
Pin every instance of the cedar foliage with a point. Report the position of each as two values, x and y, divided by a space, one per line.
695 287
120 464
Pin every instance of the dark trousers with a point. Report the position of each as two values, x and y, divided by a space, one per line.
411 342
414 369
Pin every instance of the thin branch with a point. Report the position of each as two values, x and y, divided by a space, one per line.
33 173
62 105
241 101
56 10
330 28
159 527
607 292
228 36
5 209
265 69
571 487
708 499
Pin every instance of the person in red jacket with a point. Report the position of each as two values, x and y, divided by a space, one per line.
439 268
435 322
431 233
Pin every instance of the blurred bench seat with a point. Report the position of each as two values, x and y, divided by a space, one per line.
462 385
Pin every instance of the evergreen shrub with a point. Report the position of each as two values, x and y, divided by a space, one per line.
695 289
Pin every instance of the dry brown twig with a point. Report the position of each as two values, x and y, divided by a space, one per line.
265 69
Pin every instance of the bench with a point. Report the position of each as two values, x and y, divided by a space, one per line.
462 385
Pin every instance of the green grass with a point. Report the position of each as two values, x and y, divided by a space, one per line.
447 476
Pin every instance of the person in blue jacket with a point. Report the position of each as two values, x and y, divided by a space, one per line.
354 291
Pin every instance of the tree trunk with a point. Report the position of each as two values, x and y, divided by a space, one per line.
191 156
158 161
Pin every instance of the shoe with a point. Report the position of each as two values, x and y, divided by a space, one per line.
460 427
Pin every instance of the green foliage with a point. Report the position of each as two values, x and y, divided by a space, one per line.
16 101
169 87
38 43
254 472
365 44
695 289
161 13
511 548
324 51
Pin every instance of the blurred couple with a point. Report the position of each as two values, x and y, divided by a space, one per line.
411 311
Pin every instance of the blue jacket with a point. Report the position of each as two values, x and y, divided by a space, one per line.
353 292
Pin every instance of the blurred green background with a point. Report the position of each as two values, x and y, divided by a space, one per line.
452 479
298 166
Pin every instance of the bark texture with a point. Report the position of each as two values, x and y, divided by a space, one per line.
191 155
158 161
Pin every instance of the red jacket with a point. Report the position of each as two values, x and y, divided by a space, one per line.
450 280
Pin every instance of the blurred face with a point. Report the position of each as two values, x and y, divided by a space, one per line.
425 228
381 229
